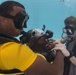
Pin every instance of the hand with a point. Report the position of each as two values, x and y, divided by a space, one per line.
61 47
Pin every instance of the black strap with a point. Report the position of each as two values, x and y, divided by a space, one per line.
10 71
74 50
7 38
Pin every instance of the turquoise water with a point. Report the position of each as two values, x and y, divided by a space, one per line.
48 12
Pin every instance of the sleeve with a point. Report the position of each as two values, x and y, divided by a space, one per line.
17 56
41 56
44 57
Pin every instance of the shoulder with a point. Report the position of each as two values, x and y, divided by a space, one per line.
15 47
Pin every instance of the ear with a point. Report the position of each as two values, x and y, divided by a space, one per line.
3 20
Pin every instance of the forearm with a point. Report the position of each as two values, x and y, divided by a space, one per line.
42 67
71 57
73 60
59 63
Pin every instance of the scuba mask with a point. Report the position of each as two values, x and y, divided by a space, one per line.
20 19
69 30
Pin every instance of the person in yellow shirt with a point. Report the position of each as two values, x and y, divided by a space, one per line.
16 57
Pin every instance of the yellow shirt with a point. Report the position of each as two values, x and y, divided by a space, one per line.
14 55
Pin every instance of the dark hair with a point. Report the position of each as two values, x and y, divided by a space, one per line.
7 6
70 20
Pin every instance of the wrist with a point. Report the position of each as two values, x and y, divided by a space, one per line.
71 55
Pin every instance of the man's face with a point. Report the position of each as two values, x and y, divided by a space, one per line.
19 17
15 31
74 34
